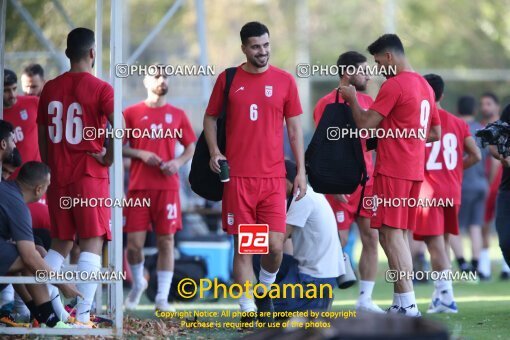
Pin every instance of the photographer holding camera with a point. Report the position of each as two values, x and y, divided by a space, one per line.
503 200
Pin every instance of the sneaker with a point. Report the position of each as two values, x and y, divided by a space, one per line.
437 306
21 317
77 324
94 318
134 295
59 324
483 277
411 311
394 309
368 306
247 323
164 306
505 276
8 321
265 304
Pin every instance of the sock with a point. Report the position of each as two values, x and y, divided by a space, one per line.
474 264
266 278
32 308
396 300
137 271
407 300
365 290
247 304
46 314
164 284
7 295
504 267
55 261
19 305
87 262
484 266
444 288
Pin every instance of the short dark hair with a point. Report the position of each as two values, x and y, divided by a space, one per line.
491 95
15 159
466 105
79 41
436 82
252 29
34 70
6 129
33 173
351 58
386 42
10 77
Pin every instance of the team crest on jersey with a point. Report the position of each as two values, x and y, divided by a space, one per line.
24 114
230 219
340 216
269 90
168 118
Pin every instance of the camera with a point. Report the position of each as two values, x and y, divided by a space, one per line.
497 133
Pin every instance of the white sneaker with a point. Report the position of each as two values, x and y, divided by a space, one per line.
411 311
438 306
164 306
368 306
393 309
134 295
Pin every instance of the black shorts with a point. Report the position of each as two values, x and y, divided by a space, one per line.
42 238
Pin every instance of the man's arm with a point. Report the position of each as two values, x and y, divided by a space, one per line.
295 133
148 157
211 137
474 155
172 166
434 134
288 231
43 140
364 119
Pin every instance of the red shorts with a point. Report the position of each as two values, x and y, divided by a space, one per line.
254 200
346 212
164 212
82 221
435 221
402 216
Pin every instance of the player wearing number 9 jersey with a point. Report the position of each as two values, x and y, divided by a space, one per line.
261 98
70 103
404 102
444 167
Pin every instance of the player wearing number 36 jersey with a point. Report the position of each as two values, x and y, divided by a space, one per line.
70 103
404 102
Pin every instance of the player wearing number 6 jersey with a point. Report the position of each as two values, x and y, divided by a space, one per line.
444 166
405 101
261 98
154 175
69 103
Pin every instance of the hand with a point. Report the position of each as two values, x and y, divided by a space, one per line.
341 197
505 161
101 157
171 167
69 290
213 163
300 183
348 93
149 158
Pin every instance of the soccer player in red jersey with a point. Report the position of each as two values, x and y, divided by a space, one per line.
445 161
405 101
346 206
69 103
154 175
21 111
32 80
261 98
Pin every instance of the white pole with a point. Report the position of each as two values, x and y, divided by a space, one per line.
117 178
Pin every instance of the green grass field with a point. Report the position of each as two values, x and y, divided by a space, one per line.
484 307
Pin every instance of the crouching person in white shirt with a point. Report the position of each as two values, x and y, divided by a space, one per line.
316 258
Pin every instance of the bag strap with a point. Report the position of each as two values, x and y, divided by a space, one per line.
337 95
358 153
229 75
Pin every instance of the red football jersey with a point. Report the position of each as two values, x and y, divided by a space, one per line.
166 118
68 104
40 215
257 106
364 101
406 101
23 115
444 158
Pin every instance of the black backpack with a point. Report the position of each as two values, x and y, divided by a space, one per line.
204 182
335 166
